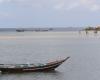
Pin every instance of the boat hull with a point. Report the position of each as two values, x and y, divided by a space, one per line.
48 67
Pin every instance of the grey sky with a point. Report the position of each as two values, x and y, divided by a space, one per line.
51 13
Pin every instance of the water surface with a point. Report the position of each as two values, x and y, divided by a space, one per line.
33 47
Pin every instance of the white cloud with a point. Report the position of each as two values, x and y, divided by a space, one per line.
65 4
58 4
72 6
90 4
85 2
5 15
2 1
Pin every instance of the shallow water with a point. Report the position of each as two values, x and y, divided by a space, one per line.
42 47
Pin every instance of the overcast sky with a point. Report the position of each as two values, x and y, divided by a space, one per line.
51 13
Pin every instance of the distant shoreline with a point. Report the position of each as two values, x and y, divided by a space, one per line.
40 29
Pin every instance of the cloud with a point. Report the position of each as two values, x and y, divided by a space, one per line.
92 5
64 4
5 15
2 1
95 7
72 5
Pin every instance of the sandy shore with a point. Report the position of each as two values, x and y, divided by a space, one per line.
69 34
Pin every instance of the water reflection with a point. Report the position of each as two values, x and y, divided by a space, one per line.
53 75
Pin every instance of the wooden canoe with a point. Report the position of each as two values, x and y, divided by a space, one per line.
31 67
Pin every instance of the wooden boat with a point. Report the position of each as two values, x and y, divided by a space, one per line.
31 67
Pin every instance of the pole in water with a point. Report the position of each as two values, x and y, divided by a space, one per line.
86 31
0 72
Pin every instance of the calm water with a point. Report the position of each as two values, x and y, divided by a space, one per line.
28 47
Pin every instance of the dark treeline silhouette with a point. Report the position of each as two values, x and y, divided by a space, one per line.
92 28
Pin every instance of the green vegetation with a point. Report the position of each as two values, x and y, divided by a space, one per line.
92 28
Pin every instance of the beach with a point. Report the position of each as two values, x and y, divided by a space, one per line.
67 34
